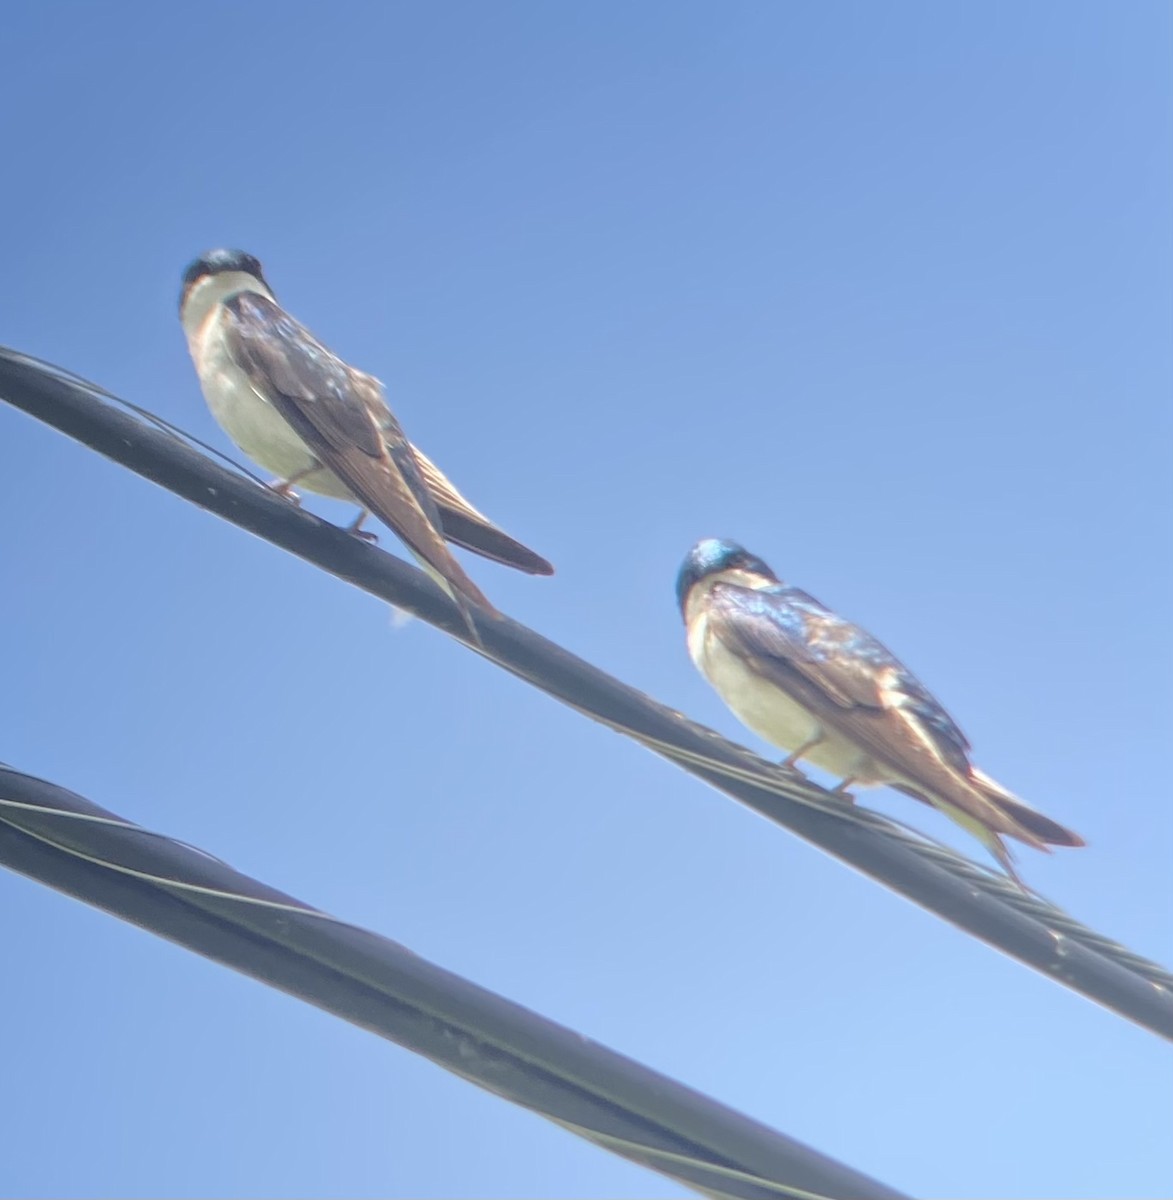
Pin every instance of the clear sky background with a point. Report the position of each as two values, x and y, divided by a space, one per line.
881 290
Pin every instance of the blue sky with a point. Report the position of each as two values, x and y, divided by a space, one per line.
882 291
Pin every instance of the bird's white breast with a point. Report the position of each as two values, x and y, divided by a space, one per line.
248 418
765 708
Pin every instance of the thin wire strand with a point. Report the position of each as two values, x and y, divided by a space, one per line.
612 1142
146 414
178 885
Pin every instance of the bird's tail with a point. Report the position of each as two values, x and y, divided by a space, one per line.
470 528
1006 816
1039 827
466 610
976 828
465 598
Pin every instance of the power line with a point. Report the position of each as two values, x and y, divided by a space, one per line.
191 898
983 904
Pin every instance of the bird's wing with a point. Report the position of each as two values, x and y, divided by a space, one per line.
471 529
851 683
342 417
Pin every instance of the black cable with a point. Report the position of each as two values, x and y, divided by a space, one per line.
983 904
194 899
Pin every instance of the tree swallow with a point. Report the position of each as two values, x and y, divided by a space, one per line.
315 421
812 683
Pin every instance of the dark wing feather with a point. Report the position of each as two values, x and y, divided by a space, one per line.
471 529
342 417
854 685
786 632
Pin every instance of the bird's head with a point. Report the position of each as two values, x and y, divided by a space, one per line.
216 275
716 556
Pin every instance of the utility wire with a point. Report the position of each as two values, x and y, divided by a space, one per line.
984 904
191 898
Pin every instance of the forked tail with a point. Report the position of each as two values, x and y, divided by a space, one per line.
1041 828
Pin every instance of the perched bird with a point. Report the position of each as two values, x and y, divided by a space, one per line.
317 422
814 684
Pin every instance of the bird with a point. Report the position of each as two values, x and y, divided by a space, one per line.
812 683
301 412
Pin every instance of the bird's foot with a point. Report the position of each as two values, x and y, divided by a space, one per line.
791 761
356 528
792 768
840 792
284 488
